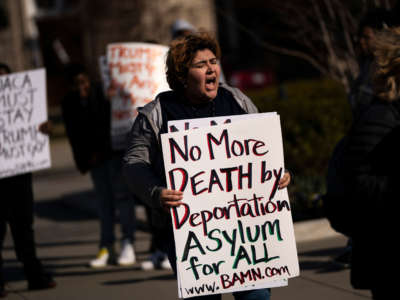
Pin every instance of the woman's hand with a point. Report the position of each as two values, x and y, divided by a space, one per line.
285 180
46 127
170 198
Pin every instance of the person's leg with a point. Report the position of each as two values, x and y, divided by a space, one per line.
3 229
125 205
260 294
126 211
124 200
344 258
20 218
153 245
167 245
157 259
4 208
106 213
105 204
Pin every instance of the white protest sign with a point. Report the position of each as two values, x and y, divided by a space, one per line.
235 228
186 124
137 70
22 109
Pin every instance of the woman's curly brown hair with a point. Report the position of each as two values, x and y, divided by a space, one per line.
387 57
181 54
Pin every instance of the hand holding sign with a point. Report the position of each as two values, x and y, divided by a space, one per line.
170 198
285 180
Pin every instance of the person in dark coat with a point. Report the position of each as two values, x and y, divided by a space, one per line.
193 75
361 92
87 117
17 212
371 173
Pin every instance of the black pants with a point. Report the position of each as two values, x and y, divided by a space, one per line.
16 209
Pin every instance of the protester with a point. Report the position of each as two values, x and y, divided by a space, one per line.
371 165
193 75
16 209
361 93
87 117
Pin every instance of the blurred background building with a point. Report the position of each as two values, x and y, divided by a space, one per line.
51 33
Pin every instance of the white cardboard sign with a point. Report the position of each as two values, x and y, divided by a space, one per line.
23 107
187 124
138 72
235 229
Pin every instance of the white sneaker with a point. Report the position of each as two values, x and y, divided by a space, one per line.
165 264
147 265
127 255
101 260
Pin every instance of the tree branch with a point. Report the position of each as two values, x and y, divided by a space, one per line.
276 49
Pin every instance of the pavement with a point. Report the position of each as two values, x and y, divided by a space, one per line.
66 231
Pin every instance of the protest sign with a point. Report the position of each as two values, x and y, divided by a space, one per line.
186 124
22 109
137 71
234 230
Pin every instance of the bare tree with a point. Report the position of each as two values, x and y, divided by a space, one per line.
321 32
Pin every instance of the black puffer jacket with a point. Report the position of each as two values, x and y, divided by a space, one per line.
370 161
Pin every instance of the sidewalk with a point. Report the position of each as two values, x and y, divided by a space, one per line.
61 158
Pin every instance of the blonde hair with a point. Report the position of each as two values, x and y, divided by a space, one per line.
387 57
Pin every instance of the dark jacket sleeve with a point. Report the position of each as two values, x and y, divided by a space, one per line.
141 155
80 153
368 186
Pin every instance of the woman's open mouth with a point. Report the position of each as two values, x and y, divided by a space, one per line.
211 83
